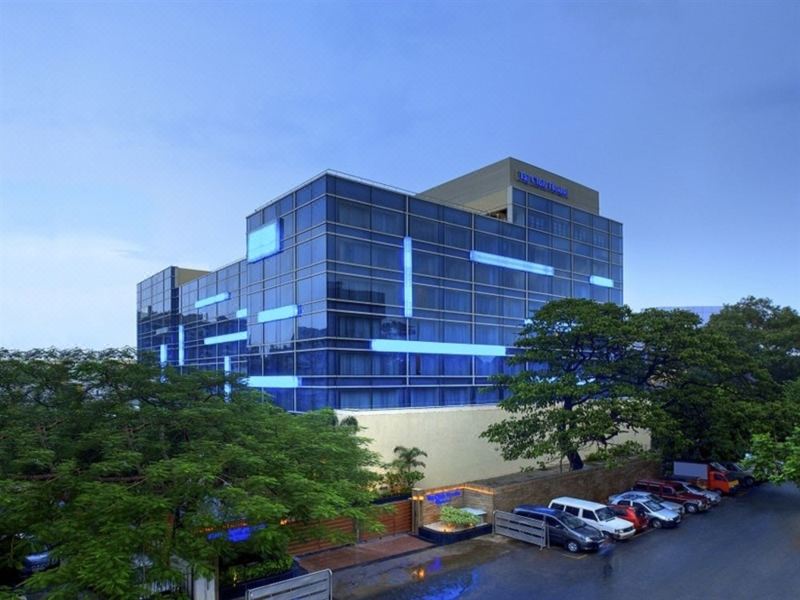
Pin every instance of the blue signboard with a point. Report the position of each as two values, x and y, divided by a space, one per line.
443 497
543 184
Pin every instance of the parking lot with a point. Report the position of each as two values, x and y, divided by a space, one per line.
749 547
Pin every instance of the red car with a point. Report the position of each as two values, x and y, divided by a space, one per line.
629 513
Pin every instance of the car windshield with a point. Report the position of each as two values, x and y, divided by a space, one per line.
605 514
653 505
571 522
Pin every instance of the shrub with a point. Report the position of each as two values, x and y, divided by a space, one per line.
458 517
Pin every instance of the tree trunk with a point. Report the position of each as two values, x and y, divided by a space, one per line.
575 461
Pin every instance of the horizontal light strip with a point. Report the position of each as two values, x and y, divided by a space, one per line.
241 313
276 314
228 337
510 263
274 381
212 300
437 348
603 281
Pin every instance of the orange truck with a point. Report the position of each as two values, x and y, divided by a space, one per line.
705 475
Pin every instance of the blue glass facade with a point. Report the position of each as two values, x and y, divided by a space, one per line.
356 296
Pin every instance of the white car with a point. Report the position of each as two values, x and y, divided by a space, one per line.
595 514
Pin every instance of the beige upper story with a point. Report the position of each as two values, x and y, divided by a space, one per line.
488 189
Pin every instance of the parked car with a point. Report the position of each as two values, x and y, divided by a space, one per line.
595 514
673 506
658 515
637 516
704 473
693 503
563 529
714 498
735 470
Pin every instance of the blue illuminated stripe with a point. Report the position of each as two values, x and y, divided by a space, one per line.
274 381
227 370
408 287
510 263
603 281
437 348
276 314
264 241
212 300
229 337
181 343
163 355
241 313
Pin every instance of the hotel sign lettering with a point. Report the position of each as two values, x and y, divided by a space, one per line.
542 184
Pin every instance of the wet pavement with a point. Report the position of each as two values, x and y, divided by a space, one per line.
748 548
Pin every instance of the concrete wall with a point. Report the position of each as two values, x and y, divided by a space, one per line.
450 436
594 482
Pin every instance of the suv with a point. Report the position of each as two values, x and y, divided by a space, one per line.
657 514
563 529
692 502
595 514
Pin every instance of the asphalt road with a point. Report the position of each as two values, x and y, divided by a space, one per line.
747 548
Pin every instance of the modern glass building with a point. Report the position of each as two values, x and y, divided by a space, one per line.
356 295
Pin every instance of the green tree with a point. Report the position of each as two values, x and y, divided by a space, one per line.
108 461
403 472
767 332
777 461
585 373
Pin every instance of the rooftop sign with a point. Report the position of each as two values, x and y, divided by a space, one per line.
543 184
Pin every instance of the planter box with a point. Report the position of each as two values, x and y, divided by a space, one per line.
442 538
230 592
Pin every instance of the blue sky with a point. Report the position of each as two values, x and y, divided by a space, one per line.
138 135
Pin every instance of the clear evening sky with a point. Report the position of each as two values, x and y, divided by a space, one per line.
134 136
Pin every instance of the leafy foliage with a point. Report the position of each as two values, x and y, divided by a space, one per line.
105 460
584 373
589 371
457 517
767 332
402 473
777 461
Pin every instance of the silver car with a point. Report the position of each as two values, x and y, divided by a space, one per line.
713 497
658 515
673 506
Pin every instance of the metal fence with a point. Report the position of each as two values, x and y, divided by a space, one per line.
314 586
520 528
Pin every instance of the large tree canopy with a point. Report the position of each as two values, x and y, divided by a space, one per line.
767 332
587 372
583 373
108 460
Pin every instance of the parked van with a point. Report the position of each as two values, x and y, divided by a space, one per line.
596 515
562 528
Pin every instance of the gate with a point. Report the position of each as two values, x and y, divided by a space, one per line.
520 528
314 586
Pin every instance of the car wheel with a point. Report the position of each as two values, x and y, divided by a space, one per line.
656 524
692 508
749 481
572 546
